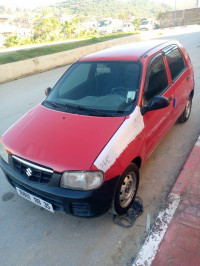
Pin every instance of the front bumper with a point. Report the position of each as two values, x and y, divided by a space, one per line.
76 202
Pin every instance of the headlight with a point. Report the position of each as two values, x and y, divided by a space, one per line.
3 153
82 180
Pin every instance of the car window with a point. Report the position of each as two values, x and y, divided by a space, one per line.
175 62
105 86
145 22
156 80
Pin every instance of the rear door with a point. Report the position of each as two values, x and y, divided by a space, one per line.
180 79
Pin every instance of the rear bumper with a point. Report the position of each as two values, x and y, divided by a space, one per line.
75 202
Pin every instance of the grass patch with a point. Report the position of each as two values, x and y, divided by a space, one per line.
18 55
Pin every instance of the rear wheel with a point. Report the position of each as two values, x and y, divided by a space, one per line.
186 113
126 190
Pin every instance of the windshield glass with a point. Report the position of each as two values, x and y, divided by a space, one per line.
103 23
145 22
107 88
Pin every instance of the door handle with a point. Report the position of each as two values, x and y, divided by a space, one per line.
188 77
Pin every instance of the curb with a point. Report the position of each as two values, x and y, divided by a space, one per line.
188 169
150 247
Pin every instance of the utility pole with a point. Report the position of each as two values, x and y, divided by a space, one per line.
175 14
62 22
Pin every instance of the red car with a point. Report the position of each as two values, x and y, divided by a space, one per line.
79 151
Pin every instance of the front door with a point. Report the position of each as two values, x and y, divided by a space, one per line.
156 123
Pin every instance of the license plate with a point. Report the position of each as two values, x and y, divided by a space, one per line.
35 199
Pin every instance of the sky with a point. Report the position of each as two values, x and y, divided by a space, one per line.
35 3
27 3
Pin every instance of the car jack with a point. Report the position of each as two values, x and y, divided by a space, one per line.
128 219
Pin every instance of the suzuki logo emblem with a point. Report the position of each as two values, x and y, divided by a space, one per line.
29 172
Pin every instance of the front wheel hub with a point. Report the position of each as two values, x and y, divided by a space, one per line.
128 189
187 109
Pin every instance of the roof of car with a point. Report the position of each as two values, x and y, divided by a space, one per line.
128 52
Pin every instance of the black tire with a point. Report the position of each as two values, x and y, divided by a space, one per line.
186 113
126 190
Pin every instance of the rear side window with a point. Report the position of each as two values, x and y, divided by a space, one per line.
175 62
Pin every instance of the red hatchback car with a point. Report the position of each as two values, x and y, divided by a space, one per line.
79 151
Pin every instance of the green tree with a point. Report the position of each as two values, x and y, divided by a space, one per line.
122 16
76 25
12 41
72 27
136 23
159 14
47 28
69 28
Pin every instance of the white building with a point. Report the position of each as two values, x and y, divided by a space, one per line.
6 30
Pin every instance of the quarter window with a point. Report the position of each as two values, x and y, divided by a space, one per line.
157 79
175 62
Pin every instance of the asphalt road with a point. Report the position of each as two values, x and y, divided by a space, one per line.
33 236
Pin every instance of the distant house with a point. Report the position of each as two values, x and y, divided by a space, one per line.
6 29
3 19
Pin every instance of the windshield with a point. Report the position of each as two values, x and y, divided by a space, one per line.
145 22
103 23
97 88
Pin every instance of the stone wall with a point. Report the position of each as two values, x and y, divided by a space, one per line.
183 17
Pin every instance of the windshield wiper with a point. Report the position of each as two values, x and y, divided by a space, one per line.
90 111
56 105
93 111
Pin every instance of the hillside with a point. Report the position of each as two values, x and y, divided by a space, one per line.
91 9
112 8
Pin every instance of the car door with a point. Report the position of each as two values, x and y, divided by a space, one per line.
180 79
156 123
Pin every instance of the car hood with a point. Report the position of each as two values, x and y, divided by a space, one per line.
58 140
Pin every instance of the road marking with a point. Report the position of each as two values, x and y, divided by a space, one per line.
151 244
198 142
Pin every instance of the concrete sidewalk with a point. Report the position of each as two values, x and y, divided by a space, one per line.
175 236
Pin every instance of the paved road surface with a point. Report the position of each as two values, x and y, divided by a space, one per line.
32 236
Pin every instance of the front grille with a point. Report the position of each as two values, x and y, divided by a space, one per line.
32 172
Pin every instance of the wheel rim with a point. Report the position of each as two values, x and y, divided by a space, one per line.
188 108
128 189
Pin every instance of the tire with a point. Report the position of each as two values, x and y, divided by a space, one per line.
186 113
126 190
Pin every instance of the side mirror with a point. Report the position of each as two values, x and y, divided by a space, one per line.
158 102
47 91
